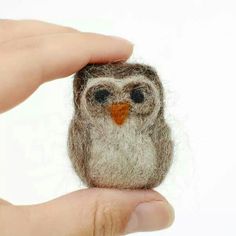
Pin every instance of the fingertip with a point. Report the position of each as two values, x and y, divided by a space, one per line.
150 216
126 46
107 48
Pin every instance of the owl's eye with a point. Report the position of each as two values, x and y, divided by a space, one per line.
101 95
137 96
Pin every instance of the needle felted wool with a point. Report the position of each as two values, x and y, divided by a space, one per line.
118 137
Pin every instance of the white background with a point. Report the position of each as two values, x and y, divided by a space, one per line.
192 45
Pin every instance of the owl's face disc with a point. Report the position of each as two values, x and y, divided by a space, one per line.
120 100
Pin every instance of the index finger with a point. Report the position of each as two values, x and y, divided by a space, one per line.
29 62
82 49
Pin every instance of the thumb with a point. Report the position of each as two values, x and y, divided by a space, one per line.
104 212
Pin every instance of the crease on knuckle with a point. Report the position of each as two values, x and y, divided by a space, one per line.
106 220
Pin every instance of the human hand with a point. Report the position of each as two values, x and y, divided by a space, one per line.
89 212
32 53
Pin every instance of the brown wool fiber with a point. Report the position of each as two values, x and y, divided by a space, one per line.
118 137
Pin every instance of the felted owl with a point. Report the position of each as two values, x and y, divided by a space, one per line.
118 136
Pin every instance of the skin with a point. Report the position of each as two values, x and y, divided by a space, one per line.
33 53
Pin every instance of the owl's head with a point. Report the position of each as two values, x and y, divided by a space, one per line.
118 92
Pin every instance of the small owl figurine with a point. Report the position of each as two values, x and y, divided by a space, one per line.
118 137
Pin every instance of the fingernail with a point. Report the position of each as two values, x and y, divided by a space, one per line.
150 216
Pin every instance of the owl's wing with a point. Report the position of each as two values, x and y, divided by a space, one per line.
78 147
161 137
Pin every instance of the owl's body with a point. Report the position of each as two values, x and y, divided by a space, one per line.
122 141
120 155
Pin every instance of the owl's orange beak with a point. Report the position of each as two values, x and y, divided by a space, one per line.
119 112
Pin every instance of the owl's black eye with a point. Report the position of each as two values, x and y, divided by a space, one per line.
101 95
137 96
